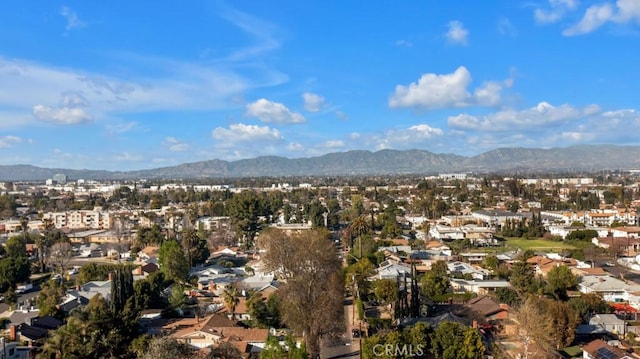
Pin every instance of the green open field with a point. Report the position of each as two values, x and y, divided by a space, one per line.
537 244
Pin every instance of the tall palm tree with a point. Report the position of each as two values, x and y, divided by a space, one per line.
360 226
231 297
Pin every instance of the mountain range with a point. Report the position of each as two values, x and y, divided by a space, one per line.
583 158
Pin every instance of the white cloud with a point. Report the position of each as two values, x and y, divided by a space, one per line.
542 115
261 31
622 114
594 17
404 43
127 157
73 99
313 102
121 127
341 115
354 135
446 91
558 9
407 137
505 27
9 141
295 147
178 86
273 112
240 132
597 15
175 145
63 115
72 18
456 34
334 144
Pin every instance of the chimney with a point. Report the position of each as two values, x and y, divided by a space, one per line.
110 276
13 333
474 324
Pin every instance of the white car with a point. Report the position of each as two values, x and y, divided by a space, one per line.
74 271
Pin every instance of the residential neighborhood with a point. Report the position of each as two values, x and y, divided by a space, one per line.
218 269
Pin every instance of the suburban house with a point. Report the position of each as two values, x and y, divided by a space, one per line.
36 329
478 286
598 349
215 329
563 231
466 269
81 295
610 289
626 246
148 254
633 232
488 308
388 270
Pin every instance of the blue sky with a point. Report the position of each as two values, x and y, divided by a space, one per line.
124 85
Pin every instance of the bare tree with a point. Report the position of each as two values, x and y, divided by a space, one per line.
59 256
532 330
312 294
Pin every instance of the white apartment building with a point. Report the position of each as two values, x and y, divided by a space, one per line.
81 219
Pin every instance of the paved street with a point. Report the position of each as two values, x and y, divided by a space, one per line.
346 346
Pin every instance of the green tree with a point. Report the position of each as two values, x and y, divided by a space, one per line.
559 279
436 281
385 290
522 277
173 261
508 296
491 262
231 297
582 235
121 289
357 275
290 350
49 298
11 297
16 246
264 313
14 270
8 206
359 227
177 300
587 304
452 340
244 210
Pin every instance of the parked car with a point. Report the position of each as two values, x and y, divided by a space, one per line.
609 264
23 288
73 271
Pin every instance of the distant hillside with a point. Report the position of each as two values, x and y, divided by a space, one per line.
576 158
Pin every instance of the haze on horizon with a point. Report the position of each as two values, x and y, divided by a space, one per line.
125 86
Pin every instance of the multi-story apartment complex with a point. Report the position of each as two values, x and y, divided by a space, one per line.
81 219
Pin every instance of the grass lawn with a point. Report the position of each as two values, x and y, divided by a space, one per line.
537 244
